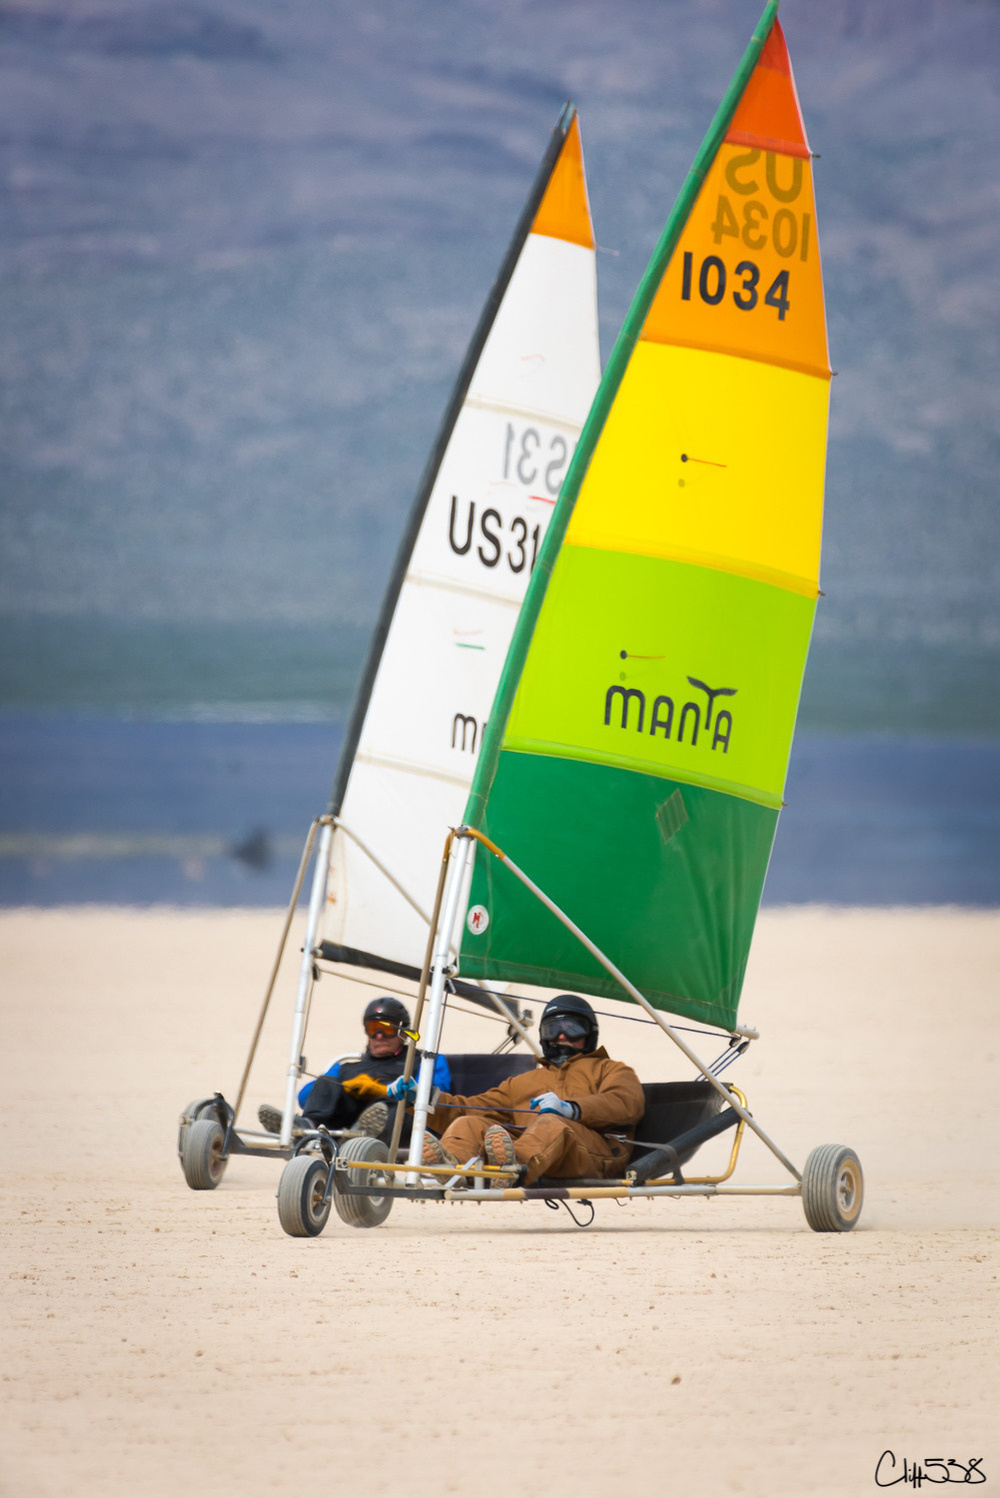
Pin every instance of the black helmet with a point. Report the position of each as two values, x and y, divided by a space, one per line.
568 1013
389 1010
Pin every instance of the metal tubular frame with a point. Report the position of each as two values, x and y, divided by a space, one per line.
411 1049
630 988
289 917
515 1022
442 941
458 864
734 1154
330 826
455 867
449 1193
317 900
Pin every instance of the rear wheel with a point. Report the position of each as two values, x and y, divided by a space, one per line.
833 1189
363 1211
302 1211
202 1159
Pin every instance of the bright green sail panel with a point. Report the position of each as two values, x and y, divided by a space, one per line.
638 746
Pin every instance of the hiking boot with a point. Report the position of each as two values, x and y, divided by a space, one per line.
373 1121
498 1147
435 1152
269 1118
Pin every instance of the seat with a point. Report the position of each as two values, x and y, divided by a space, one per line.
672 1108
474 1072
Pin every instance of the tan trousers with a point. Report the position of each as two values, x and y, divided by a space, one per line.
549 1146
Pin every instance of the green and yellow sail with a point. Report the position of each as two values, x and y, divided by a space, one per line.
639 742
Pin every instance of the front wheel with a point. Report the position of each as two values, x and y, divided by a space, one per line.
833 1189
203 1107
202 1159
302 1211
363 1211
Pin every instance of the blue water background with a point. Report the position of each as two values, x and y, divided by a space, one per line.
870 820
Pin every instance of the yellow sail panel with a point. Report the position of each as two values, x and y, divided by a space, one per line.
564 212
712 460
745 277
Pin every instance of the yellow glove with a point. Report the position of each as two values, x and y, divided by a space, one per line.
364 1087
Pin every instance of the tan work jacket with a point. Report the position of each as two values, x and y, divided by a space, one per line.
608 1094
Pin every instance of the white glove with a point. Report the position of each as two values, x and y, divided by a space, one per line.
402 1088
550 1102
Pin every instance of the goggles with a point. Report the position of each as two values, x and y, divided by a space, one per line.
573 1029
382 1027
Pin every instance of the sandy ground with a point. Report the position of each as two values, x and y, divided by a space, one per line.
676 1348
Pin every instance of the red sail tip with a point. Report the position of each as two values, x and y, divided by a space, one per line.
768 116
774 54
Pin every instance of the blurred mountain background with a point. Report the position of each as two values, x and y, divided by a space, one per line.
242 249
244 244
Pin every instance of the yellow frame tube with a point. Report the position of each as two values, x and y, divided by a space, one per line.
733 1156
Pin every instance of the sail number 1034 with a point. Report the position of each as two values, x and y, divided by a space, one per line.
712 283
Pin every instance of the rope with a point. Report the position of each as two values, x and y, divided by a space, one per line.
632 1019
404 993
555 1205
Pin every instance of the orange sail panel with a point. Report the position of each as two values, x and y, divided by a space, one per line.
564 212
745 278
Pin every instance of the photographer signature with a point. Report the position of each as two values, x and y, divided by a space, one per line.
933 1469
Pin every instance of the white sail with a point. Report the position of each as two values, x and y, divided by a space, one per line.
520 403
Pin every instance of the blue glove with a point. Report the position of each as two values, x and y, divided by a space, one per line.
550 1102
404 1088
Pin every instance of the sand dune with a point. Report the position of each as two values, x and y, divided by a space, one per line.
712 1348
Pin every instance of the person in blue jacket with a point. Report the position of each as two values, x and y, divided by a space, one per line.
351 1095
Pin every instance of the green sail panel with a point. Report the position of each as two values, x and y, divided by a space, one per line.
664 877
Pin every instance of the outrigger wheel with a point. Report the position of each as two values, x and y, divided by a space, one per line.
363 1211
833 1189
202 1160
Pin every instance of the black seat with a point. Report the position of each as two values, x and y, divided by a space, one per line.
672 1108
474 1072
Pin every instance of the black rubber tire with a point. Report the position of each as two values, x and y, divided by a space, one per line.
833 1189
362 1211
301 1209
202 1159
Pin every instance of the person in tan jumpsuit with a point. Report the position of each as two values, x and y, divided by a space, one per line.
586 1107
